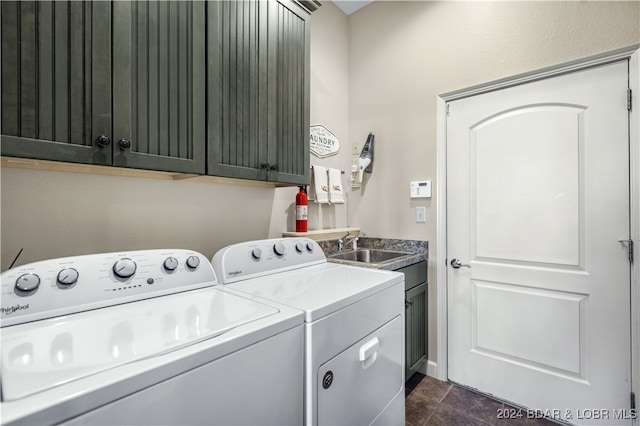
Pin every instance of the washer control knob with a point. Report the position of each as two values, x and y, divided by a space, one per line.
278 248
124 268
299 247
193 262
256 253
68 276
27 282
170 264
310 247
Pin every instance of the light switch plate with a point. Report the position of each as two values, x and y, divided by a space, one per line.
421 214
420 189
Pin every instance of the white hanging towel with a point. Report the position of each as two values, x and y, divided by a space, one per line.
336 193
319 188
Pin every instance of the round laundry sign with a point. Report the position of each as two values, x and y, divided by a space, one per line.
322 142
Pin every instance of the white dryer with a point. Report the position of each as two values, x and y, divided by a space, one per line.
354 326
144 337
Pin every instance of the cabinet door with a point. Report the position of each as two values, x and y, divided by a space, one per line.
159 85
56 80
237 42
258 93
416 329
289 97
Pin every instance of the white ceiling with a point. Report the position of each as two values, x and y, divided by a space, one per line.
350 6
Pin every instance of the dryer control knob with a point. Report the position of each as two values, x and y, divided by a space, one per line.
299 247
124 268
278 248
310 247
68 276
193 262
256 253
170 264
27 282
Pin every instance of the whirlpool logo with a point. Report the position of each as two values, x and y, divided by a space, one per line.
234 273
10 310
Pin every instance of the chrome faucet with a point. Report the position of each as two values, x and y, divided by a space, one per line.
345 240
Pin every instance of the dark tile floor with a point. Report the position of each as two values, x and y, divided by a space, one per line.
430 402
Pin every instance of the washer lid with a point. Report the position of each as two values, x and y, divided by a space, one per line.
44 354
320 290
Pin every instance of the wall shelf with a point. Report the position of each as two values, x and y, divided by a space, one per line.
325 234
59 166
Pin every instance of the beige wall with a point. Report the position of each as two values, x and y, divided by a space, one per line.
404 53
56 214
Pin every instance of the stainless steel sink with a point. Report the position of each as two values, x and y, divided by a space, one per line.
369 255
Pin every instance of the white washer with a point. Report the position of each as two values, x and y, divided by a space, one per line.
144 337
354 326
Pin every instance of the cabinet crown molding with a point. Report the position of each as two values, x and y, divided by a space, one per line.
310 5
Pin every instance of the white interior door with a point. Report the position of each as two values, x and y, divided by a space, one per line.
537 199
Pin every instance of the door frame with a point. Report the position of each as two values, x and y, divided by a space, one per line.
632 53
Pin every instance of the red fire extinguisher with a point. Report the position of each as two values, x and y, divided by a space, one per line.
302 211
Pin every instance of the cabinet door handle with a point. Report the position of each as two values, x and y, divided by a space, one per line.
274 167
264 166
124 144
103 141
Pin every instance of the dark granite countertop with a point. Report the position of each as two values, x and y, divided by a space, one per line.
418 249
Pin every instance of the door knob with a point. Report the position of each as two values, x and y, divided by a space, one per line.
456 264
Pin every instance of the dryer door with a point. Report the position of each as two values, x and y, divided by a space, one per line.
356 385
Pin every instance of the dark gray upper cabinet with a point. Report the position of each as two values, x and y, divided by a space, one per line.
56 80
159 85
129 83
289 150
119 83
258 93
237 91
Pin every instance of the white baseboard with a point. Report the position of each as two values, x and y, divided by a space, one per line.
431 369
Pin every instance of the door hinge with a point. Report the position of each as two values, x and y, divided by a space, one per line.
629 97
633 401
448 110
629 244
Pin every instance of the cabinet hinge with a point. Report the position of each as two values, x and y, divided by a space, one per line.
633 401
629 97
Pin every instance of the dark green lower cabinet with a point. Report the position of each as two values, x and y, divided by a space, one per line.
416 317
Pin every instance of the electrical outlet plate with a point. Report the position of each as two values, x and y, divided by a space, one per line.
421 214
